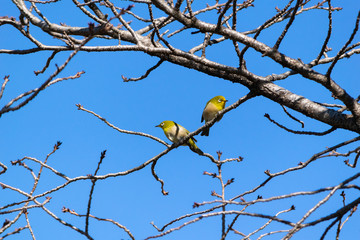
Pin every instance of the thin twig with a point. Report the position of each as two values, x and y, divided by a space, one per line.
338 213
231 212
28 224
278 42
300 132
328 33
146 74
343 49
355 160
156 29
47 63
4 168
65 210
262 27
34 93
268 222
158 179
6 80
80 107
222 13
315 157
292 117
92 191
46 166
328 228
17 230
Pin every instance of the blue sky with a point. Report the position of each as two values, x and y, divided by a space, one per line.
170 93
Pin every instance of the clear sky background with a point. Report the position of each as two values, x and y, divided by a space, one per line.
170 93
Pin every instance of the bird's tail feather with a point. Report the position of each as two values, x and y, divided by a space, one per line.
195 149
205 132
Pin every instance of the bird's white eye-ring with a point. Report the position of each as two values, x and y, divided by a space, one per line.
162 124
219 100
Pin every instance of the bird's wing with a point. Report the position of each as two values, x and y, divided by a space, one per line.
202 116
187 133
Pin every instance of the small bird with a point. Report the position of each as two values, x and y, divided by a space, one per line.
213 106
175 132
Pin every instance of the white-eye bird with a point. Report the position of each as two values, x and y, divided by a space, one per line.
213 106
175 132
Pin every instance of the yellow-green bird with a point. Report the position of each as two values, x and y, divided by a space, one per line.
175 132
213 106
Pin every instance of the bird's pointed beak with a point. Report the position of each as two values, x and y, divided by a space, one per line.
157 125
226 100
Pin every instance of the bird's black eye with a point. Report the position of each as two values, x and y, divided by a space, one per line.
162 124
219 100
